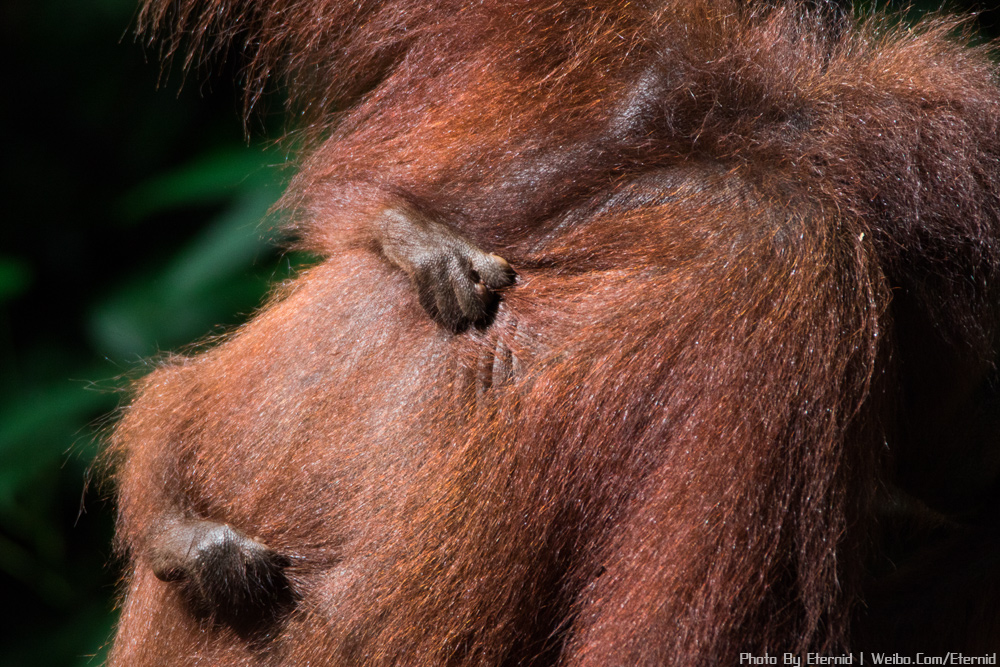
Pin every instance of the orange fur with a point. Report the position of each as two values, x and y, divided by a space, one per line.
673 443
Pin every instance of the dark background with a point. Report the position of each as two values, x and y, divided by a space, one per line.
133 223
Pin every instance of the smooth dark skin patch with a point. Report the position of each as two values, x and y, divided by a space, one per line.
456 281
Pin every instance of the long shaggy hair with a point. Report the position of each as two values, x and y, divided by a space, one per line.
748 236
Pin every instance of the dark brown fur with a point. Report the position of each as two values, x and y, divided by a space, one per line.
757 250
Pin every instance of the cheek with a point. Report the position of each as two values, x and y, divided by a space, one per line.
284 426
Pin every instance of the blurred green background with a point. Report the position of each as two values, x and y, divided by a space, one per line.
132 224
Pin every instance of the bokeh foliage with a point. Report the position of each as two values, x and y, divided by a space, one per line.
132 224
135 222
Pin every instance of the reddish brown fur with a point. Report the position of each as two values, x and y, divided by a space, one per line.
672 443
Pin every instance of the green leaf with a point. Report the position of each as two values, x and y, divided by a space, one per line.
208 180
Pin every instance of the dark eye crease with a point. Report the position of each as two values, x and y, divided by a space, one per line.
643 334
